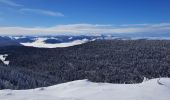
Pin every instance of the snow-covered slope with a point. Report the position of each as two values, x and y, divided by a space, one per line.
154 89
3 59
41 44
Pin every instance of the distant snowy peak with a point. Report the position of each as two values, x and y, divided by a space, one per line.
17 37
40 43
66 41
85 90
70 38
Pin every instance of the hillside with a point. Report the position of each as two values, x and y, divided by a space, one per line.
112 61
6 41
85 90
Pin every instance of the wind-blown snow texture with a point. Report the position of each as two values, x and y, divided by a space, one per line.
85 90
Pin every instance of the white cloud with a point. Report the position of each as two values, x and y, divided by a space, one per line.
30 10
41 11
10 3
131 25
89 29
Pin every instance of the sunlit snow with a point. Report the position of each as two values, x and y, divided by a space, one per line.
85 90
41 44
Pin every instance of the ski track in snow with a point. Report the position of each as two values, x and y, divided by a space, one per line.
85 90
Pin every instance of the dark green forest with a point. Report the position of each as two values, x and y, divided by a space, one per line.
113 61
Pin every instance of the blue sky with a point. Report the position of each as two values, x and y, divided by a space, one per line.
71 15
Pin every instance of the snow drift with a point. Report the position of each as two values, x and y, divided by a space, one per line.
155 89
3 59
